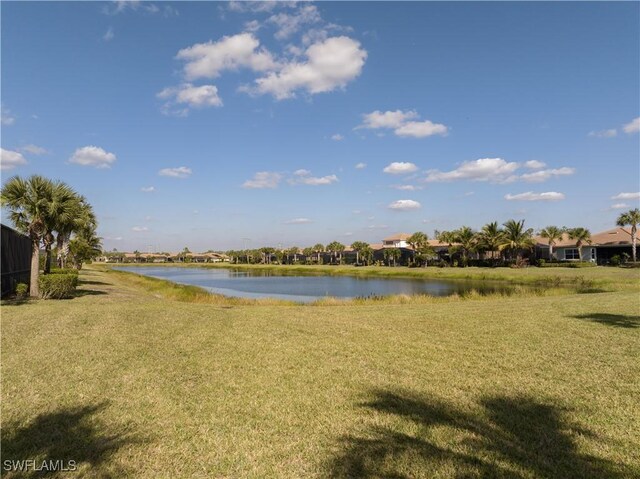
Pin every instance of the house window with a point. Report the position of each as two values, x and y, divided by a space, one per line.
593 254
571 253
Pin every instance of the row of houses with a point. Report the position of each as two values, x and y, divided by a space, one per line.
118 257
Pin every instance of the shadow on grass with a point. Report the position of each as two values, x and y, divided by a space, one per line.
67 436
618 320
88 292
93 283
510 438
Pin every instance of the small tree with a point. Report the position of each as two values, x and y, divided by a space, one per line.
552 234
580 236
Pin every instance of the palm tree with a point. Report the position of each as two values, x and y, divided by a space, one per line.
293 251
580 236
392 254
318 248
466 237
516 238
417 241
308 253
631 218
84 220
358 247
367 254
491 237
552 234
28 202
62 211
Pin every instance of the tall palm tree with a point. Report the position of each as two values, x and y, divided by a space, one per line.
466 238
392 254
63 209
516 238
552 234
417 241
308 253
28 202
84 220
318 248
631 218
358 247
580 236
491 237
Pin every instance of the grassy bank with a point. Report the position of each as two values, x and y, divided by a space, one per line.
129 382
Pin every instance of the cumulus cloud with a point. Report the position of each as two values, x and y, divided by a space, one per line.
544 175
208 60
633 126
330 64
263 179
626 196
400 168
403 123
620 206
298 221
337 137
93 156
179 172
6 118
534 164
33 149
404 205
360 166
148 189
604 133
11 159
187 94
495 170
303 177
531 196
139 229
290 23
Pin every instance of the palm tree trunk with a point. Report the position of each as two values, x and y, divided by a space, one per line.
34 287
550 252
634 232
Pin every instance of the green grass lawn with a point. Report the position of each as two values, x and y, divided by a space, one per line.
127 380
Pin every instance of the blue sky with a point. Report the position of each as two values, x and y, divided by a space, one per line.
200 124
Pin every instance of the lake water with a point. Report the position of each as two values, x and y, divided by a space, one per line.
307 288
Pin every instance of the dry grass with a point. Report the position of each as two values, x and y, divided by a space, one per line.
131 383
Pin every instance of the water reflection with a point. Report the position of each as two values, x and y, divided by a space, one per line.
306 288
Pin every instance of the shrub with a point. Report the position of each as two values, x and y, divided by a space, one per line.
21 290
615 260
64 271
58 286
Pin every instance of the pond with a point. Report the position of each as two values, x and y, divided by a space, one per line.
307 288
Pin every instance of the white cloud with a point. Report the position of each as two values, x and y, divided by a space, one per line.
388 119
33 150
187 94
208 60
11 159
330 64
626 196
263 179
633 126
109 34
534 164
531 196
179 172
252 26
288 24
405 205
360 166
407 187
421 129
298 221
544 175
139 229
620 206
6 118
377 227
495 170
257 6
403 123
604 133
337 137
121 6
400 168
93 156
148 189
303 177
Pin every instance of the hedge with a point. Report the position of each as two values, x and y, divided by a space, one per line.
58 286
